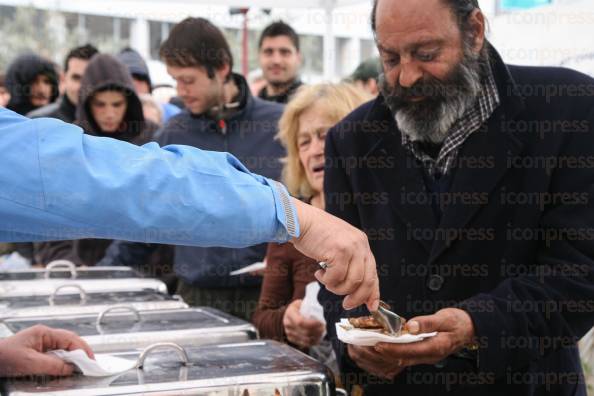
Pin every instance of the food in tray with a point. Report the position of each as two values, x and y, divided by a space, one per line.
369 323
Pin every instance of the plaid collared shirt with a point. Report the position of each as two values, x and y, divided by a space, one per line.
487 102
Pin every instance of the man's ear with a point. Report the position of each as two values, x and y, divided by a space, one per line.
223 72
478 24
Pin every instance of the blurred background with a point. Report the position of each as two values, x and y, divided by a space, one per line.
335 34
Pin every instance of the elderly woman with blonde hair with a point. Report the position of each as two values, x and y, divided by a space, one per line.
308 116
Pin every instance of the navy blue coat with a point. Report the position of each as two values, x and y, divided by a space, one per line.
514 246
249 136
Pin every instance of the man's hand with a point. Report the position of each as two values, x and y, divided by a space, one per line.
24 353
300 330
351 265
455 330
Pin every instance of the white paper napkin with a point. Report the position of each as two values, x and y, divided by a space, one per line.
103 366
250 268
350 335
310 307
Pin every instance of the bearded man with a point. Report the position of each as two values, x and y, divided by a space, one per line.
474 183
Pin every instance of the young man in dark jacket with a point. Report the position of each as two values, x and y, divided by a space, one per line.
74 67
32 82
220 115
474 182
107 106
280 60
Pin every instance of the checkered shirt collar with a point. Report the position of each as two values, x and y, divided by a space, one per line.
487 101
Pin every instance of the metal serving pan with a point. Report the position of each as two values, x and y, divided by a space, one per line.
123 327
46 287
73 299
259 368
43 282
64 269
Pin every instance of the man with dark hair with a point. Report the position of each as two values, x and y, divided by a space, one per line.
220 115
475 236
74 67
280 60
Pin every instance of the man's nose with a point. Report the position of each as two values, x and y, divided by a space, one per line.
410 73
276 57
110 113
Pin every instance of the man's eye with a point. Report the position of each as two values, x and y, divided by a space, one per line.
426 56
391 61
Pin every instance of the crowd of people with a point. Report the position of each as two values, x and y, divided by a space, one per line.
404 126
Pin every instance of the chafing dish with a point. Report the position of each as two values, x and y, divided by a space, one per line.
64 269
123 327
73 299
255 368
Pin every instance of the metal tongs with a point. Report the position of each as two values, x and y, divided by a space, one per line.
391 322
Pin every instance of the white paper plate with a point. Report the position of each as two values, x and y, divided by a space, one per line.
350 335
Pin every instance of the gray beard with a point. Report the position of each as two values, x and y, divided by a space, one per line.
431 119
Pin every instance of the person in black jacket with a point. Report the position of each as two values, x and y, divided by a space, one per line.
474 183
32 82
220 115
74 67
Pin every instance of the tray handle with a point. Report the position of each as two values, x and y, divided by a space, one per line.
117 308
181 352
69 265
81 293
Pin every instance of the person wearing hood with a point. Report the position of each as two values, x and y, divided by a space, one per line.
142 80
107 106
32 82
74 67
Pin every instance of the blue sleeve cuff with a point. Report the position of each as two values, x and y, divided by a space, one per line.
286 212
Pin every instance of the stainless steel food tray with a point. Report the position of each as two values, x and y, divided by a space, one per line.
123 327
64 269
259 368
73 299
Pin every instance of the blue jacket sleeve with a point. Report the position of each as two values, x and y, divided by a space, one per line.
58 183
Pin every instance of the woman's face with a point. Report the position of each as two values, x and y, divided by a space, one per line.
108 109
313 126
